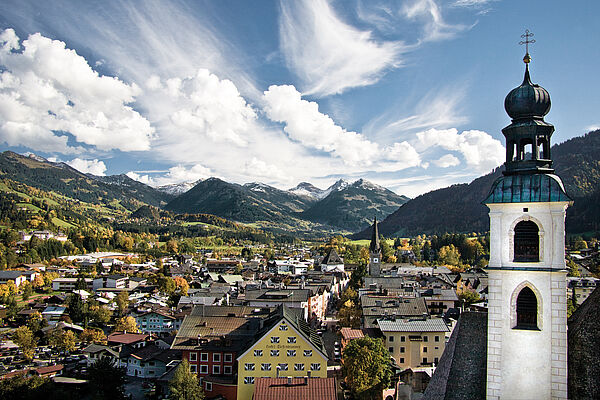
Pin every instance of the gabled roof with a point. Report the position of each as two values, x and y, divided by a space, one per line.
332 258
98 348
11 274
127 338
295 389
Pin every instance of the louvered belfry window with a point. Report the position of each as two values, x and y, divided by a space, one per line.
526 309
527 242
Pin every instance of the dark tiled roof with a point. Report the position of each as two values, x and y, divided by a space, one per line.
461 373
294 389
278 296
397 307
236 330
584 349
332 258
11 274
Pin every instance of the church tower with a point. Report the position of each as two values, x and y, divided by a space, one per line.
527 306
375 252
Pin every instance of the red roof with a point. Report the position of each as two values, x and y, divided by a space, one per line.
349 333
51 369
294 389
127 338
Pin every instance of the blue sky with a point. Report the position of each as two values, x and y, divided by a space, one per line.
406 94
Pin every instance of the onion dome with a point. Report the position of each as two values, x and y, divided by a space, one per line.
527 100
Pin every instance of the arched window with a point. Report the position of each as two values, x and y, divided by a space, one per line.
526 309
527 242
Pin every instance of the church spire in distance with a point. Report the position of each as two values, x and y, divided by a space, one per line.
374 247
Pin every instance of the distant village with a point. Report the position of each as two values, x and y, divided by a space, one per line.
247 327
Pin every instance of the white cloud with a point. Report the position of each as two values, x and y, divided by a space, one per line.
94 167
262 169
305 124
327 54
438 109
447 161
479 149
176 174
430 14
47 88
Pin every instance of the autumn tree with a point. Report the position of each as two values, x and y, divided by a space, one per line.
24 338
182 285
449 255
122 301
63 340
99 314
367 368
35 322
184 385
93 335
126 324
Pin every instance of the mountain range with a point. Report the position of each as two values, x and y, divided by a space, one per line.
458 208
339 208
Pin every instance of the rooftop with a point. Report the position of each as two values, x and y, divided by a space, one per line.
428 325
294 389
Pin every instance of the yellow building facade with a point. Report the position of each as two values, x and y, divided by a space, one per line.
415 344
285 350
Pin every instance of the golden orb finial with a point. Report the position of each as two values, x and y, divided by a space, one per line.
527 58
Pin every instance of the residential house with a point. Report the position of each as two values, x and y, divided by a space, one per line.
155 322
332 262
439 301
95 352
286 347
414 343
150 361
53 313
111 282
375 308
17 277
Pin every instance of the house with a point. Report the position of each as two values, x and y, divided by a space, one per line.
95 352
150 361
332 262
17 277
292 298
212 337
154 322
349 334
53 313
416 343
123 338
49 371
289 388
379 307
439 301
287 346
580 289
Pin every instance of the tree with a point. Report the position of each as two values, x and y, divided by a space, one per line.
172 246
449 255
106 380
122 301
99 314
24 338
167 285
35 322
127 324
92 335
572 268
468 296
184 385
63 340
182 285
27 290
367 367
76 307
350 315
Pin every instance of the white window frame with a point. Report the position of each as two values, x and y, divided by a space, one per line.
291 353
299 367
228 357
275 339
193 356
204 369
216 370
193 368
307 353
203 356
291 339
228 369
208 386
216 357
258 353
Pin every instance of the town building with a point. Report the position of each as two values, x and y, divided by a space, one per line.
415 343
287 347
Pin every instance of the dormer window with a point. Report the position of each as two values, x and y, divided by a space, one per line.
527 242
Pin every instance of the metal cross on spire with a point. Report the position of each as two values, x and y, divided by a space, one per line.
526 42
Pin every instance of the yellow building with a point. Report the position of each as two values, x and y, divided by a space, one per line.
287 347
417 343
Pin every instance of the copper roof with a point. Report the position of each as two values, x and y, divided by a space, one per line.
294 389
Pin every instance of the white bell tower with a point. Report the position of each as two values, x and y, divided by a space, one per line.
527 306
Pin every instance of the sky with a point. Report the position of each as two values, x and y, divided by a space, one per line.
406 94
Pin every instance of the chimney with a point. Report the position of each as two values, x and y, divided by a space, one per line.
278 368
308 373
289 381
306 380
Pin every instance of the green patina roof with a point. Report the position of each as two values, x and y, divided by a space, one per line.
527 189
